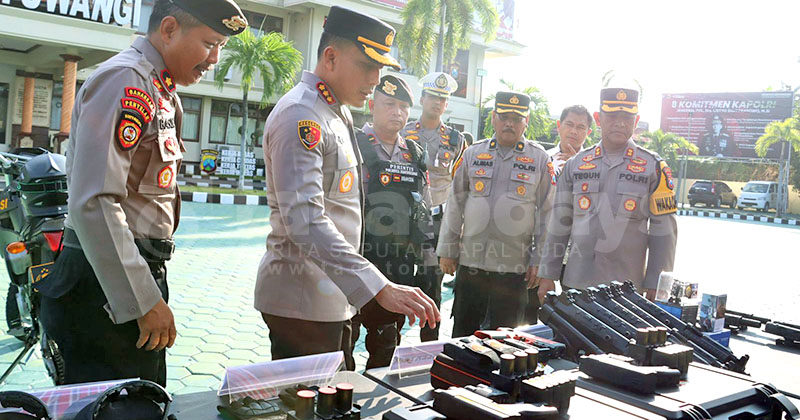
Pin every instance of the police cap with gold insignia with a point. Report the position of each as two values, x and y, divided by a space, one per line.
372 36
223 16
619 100
395 87
512 102
439 84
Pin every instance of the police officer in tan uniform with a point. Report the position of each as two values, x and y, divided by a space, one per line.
109 315
494 216
443 145
312 279
616 203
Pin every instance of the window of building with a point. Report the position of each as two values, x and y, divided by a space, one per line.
144 17
55 106
226 122
459 69
261 24
395 52
190 125
3 111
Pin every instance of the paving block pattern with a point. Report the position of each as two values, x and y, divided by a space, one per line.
211 281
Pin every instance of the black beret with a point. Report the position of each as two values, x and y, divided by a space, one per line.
512 102
619 100
395 87
223 16
373 37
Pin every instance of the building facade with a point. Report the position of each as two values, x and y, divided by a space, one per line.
48 47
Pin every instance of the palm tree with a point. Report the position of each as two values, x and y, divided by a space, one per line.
540 125
454 18
269 57
787 130
667 144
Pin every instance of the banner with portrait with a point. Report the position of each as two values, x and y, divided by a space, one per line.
725 124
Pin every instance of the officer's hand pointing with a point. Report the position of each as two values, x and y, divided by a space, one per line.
411 302
157 328
448 265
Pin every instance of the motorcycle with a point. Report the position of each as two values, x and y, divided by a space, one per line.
33 207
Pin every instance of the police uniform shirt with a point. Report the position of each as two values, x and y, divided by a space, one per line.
613 209
122 158
441 156
399 153
312 269
497 207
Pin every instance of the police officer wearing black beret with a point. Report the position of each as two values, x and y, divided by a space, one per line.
313 278
108 310
397 221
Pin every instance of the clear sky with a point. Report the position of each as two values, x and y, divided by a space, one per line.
675 46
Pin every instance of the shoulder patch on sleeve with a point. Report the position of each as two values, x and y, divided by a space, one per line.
138 106
662 200
133 92
129 130
310 133
552 172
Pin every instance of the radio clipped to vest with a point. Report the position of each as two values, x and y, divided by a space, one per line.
397 220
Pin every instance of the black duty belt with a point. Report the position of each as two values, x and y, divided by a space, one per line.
152 250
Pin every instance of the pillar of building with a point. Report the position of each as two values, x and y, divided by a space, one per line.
67 98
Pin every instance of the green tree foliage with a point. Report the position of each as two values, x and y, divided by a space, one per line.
667 145
778 131
454 18
540 125
268 57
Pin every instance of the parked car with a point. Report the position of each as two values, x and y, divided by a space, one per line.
760 195
712 194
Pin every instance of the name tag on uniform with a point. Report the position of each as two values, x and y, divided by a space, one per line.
168 143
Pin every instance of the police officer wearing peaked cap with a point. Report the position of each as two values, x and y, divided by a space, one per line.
615 201
443 145
312 278
107 304
495 215
397 219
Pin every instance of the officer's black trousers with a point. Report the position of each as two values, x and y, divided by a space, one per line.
93 347
291 337
429 279
504 294
383 327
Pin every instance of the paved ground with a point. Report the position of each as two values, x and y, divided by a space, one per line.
212 278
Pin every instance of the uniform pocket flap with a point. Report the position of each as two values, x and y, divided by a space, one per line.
481 172
638 189
580 187
522 176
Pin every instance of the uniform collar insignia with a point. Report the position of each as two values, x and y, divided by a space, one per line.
598 151
166 80
372 139
629 151
402 143
519 147
418 125
493 144
326 93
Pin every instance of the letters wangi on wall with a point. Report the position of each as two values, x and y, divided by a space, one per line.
119 12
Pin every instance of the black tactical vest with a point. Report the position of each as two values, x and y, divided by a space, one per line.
397 220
